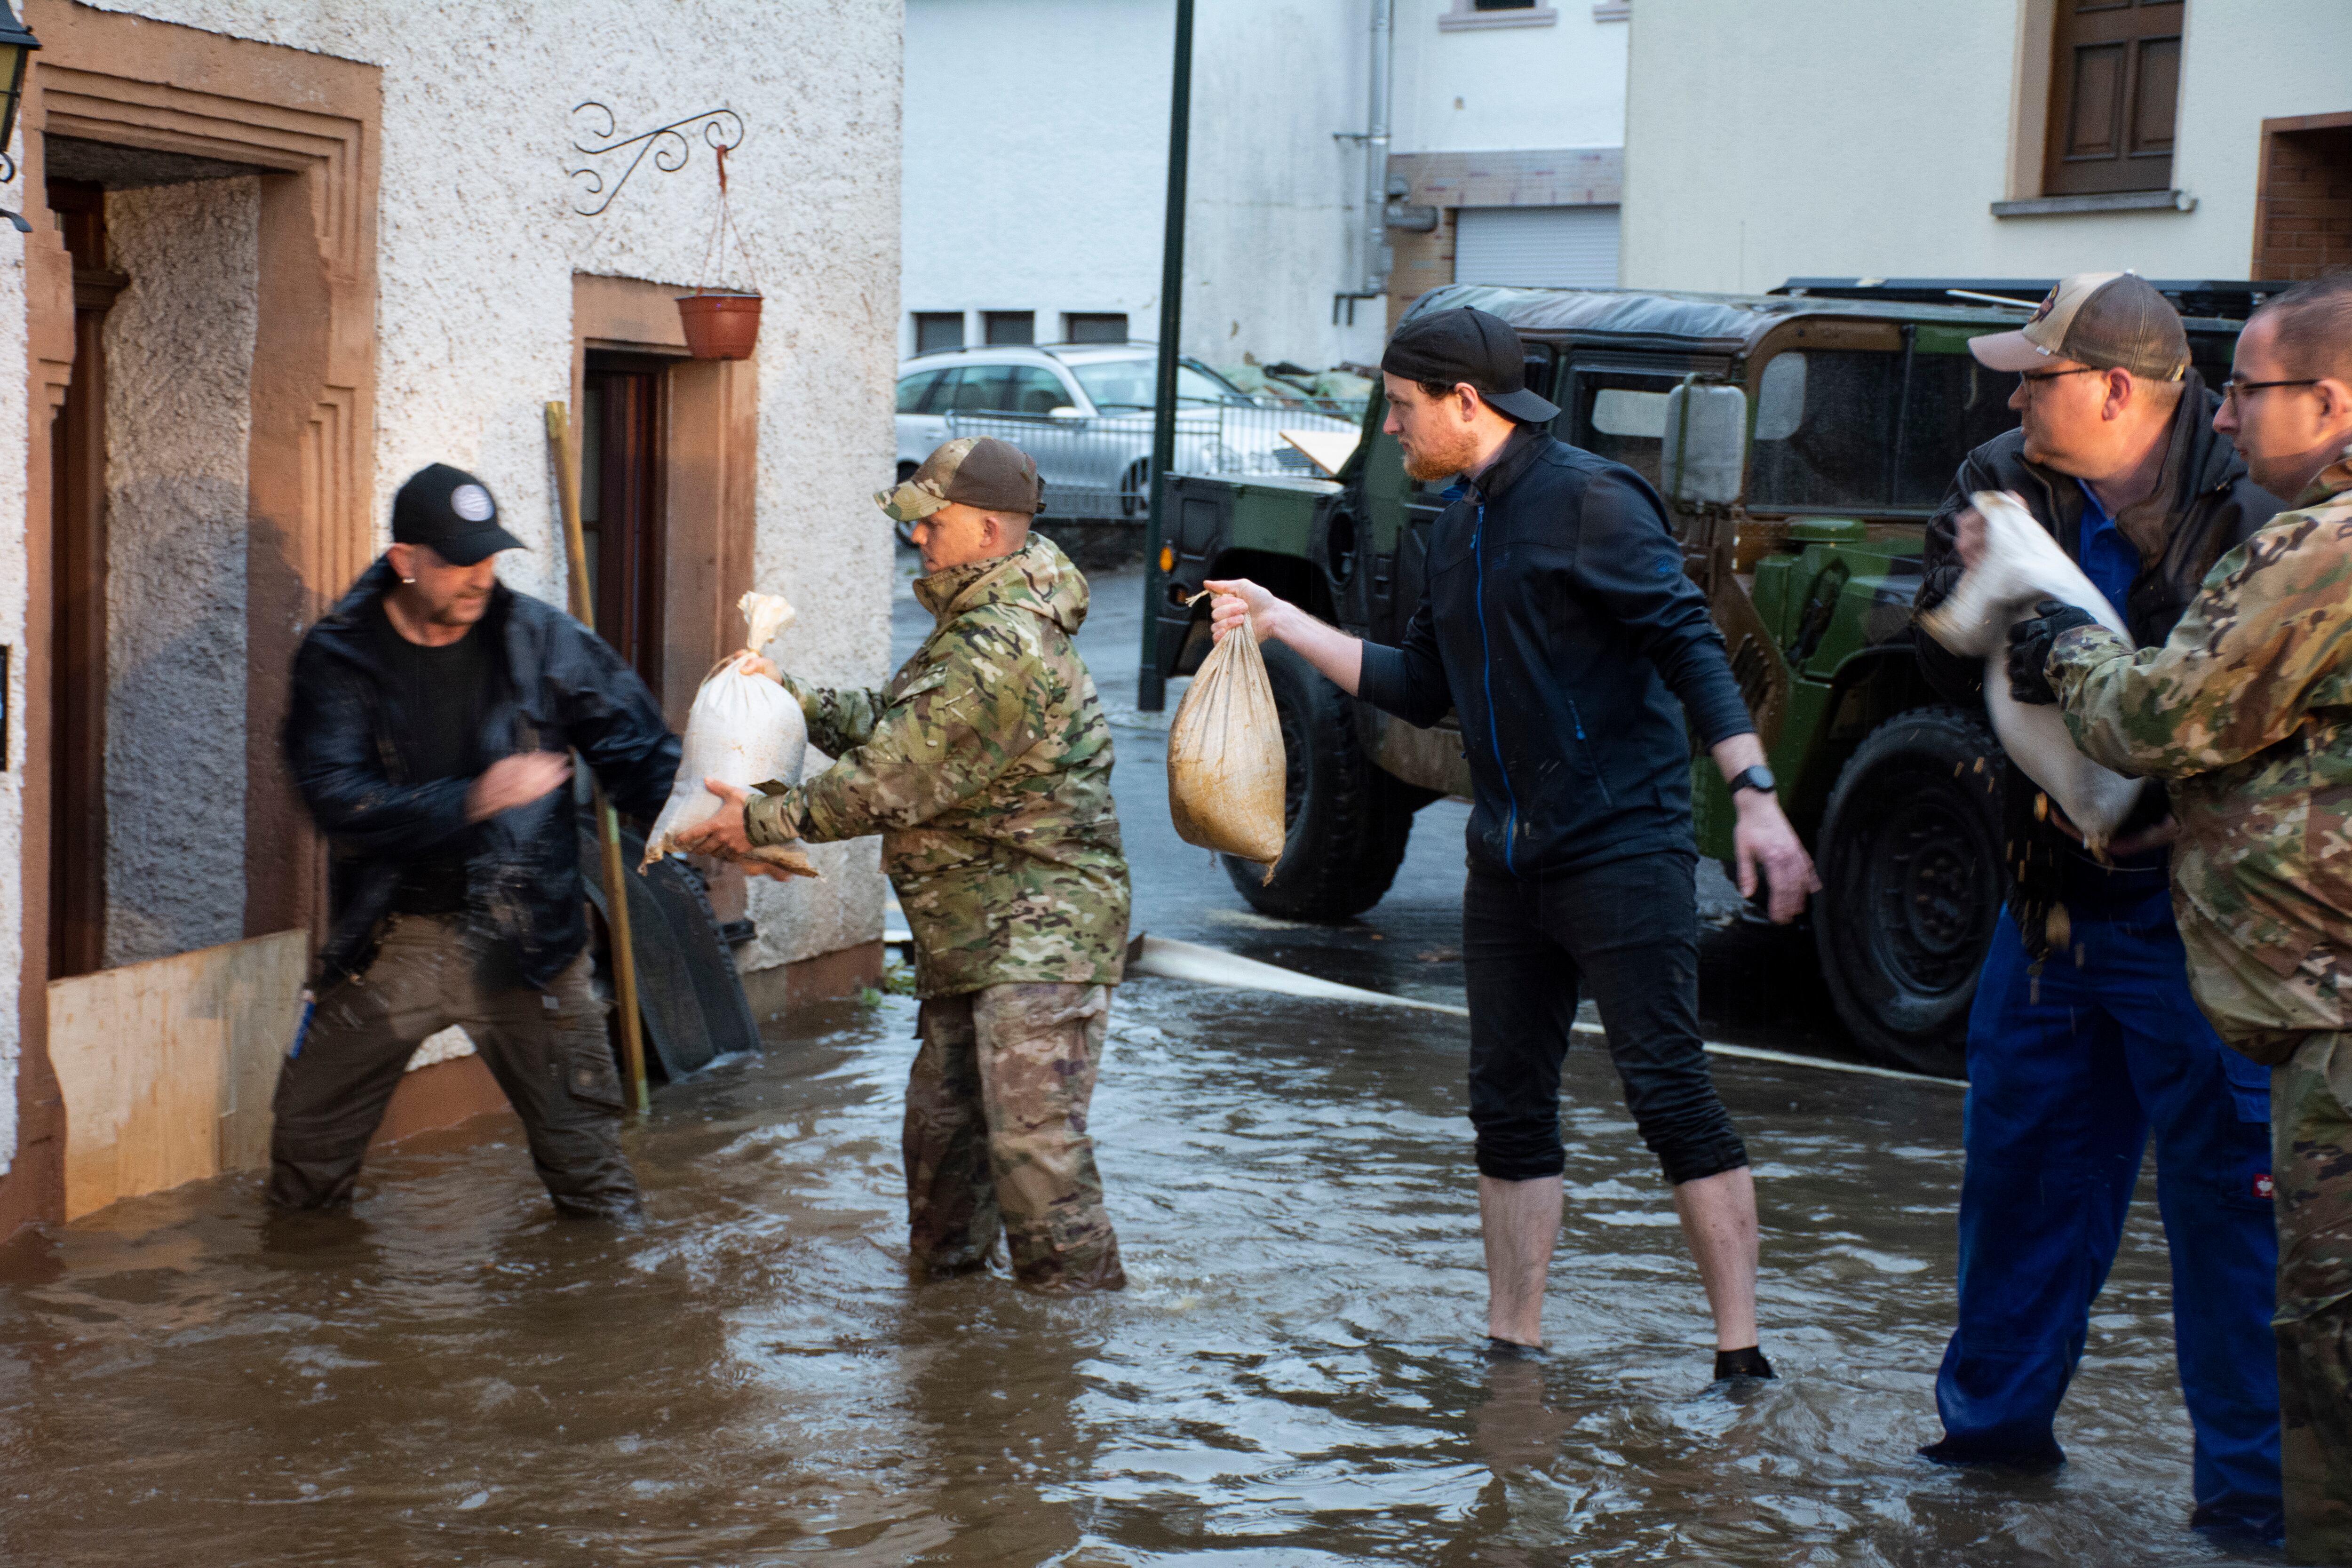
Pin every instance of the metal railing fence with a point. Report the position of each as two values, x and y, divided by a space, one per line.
1100 466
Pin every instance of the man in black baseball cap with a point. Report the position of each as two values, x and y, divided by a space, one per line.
433 717
449 511
1556 620
1467 347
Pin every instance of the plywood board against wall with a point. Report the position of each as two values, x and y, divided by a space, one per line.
167 1067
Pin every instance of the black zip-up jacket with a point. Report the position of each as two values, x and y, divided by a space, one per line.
1557 621
2204 507
558 686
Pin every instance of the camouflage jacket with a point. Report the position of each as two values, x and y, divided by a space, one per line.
2247 710
986 766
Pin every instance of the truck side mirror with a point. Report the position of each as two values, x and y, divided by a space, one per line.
1704 452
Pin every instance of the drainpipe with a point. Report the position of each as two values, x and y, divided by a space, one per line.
1373 279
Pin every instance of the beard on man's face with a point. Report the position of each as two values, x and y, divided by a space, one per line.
462 609
1441 454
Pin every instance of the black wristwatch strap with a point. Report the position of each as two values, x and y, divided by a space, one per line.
1758 778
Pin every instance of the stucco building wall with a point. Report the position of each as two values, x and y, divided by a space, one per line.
1855 139
1477 90
477 244
1036 168
179 415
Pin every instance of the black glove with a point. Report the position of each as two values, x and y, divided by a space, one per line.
2029 648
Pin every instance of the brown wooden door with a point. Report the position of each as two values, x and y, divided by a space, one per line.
77 665
2115 85
621 502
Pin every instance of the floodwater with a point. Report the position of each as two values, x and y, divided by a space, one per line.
453 1375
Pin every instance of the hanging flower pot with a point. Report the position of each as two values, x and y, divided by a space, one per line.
719 326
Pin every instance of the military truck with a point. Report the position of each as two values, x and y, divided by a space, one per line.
1801 443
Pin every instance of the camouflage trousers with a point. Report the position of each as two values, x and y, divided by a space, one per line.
996 1135
2311 1168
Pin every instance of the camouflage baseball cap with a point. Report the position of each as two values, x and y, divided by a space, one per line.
974 470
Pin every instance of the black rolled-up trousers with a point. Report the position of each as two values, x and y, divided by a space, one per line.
1626 931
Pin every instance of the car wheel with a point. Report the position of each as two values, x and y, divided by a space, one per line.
906 530
1912 882
1347 821
1135 488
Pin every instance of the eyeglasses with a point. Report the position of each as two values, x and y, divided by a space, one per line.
2233 387
2028 379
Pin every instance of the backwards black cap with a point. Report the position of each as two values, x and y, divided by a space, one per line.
1466 344
450 511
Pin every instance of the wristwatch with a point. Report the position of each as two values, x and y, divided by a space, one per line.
1758 778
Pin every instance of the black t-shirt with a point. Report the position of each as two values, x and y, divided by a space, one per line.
447 692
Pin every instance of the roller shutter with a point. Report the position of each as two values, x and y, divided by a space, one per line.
1537 247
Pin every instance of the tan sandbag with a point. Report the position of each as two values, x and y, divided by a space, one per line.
1225 761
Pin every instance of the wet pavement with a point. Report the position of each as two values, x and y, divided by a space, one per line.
456 1376
453 1375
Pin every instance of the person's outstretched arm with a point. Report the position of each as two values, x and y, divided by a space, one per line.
1408 680
2267 641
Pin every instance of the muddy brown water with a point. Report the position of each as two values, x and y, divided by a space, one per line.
453 1376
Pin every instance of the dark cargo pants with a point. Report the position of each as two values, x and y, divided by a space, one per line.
546 1048
996 1135
2311 1161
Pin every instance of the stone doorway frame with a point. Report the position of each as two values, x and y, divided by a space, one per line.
312 126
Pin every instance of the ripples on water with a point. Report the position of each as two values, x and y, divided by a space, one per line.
454 1376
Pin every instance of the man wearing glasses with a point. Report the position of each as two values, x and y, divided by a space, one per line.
2084 1035
2246 712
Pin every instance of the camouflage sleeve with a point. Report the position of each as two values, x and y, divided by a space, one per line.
840 718
947 735
2262 644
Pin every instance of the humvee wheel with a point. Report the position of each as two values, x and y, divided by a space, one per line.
1911 884
1347 820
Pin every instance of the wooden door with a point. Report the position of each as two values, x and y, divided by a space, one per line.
623 402
2115 85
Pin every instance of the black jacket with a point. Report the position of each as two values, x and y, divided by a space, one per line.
2204 507
560 687
1556 619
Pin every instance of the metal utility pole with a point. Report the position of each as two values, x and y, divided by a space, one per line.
1150 689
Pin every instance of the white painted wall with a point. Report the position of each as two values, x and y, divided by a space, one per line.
1561 85
1036 145
1856 138
179 419
477 247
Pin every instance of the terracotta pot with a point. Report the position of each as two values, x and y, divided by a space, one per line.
719 326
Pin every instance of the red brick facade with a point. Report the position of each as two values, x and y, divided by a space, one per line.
2303 212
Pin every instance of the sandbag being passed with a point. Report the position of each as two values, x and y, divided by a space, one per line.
1226 762
2021 565
743 730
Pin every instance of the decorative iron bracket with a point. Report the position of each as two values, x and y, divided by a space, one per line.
668 144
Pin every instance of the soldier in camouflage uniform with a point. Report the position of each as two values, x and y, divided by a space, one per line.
2246 712
986 766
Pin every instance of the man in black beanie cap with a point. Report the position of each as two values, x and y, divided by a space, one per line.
433 717
1557 621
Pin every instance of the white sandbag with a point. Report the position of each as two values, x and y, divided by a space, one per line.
2021 565
743 730
1225 758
